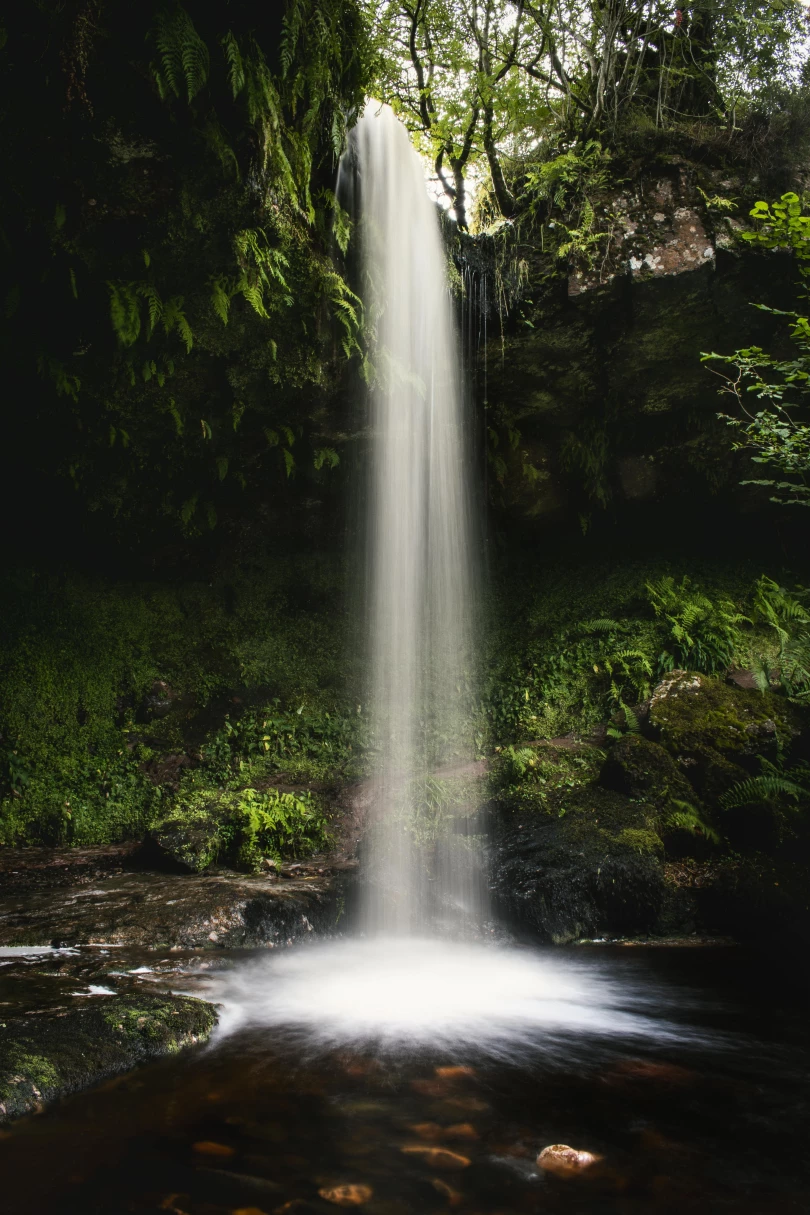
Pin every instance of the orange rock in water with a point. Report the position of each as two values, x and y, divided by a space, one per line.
436 1157
462 1130
454 1198
347 1195
428 1130
659 1073
563 1161
429 1088
207 1148
248 1211
433 1132
454 1073
470 1105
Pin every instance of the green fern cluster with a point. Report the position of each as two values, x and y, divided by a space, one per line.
703 633
784 612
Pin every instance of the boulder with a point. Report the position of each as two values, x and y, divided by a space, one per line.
59 1052
691 714
644 770
716 732
591 866
189 840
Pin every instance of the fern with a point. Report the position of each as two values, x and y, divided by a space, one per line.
175 318
125 312
154 305
326 455
235 66
183 62
600 625
766 788
705 634
686 818
786 614
221 292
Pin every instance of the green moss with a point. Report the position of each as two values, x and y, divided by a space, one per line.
643 841
63 1053
701 713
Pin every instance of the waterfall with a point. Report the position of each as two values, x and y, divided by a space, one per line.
421 869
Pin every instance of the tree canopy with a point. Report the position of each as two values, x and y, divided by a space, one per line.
489 85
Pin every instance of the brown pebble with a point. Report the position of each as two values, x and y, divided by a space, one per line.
427 1130
470 1105
669 1074
347 1195
436 1157
454 1198
454 1073
563 1161
207 1148
248 1211
462 1130
429 1088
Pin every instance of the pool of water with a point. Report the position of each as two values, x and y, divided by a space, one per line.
428 1078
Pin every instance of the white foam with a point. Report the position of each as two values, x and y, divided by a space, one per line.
402 993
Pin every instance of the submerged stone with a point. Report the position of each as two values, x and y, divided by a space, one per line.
563 1161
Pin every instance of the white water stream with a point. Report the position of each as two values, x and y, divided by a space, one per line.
421 872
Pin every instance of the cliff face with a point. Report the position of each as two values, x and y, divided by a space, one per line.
593 387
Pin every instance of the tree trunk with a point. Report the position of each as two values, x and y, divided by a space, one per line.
503 195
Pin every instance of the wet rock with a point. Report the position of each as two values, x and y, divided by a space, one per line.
206 1147
63 1050
695 717
589 866
436 1157
644 770
347 1195
190 843
24 869
159 701
170 910
563 1161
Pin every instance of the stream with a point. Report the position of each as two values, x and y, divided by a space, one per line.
336 1079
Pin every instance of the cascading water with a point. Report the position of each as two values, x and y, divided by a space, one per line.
411 986
420 579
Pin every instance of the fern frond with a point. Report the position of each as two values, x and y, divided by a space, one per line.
221 292
235 66
760 789
686 818
326 455
125 312
601 625
183 56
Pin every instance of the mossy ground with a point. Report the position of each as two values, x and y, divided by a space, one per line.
124 705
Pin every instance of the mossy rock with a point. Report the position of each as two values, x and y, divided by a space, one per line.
589 867
717 732
644 770
692 713
189 837
65 1052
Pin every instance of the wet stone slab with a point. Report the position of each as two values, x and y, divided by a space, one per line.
52 1050
221 910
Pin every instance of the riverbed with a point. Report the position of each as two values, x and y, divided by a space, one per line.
678 1076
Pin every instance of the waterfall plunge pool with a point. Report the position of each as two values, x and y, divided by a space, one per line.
421 1076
